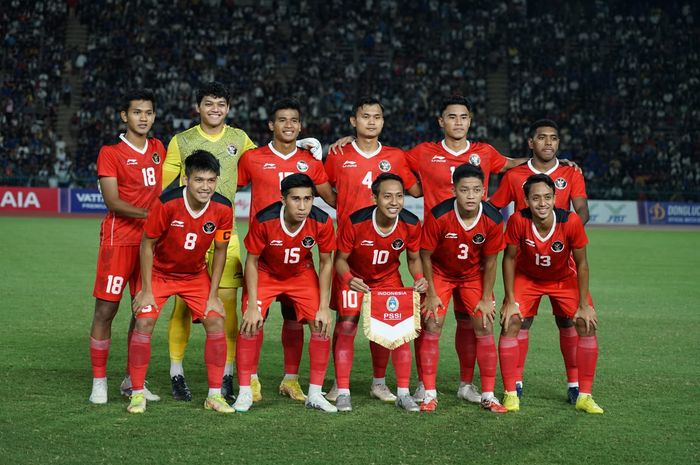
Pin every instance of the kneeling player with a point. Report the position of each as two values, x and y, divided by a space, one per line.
280 265
370 242
181 228
546 255
461 240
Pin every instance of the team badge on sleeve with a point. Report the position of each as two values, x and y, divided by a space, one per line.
308 242
475 159
232 150
302 166
560 183
478 238
391 317
384 166
209 227
557 246
156 158
397 244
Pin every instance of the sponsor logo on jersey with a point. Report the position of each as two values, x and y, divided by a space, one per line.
156 158
269 166
367 243
384 166
397 244
530 242
177 224
392 304
557 246
349 164
438 159
209 227
451 236
475 159
131 162
232 150
478 238
276 243
308 242
560 183
302 166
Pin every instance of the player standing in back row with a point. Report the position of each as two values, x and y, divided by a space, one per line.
129 175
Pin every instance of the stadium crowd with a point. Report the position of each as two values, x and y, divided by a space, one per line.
611 76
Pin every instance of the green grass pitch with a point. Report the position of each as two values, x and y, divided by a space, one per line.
645 285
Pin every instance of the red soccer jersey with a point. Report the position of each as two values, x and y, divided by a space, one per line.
434 164
546 258
184 236
458 250
264 168
374 256
284 254
352 173
568 182
139 176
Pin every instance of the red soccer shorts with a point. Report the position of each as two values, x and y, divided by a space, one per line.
301 291
563 295
192 288
467 294
348 302
117 266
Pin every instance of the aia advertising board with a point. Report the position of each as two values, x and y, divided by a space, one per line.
29 199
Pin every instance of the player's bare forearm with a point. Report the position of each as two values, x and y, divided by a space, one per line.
251 281
326 192
581 208
581 261
146 259
325 270
488 277
513 162
110 193
415 266
217 267
509 273
427 260
415 190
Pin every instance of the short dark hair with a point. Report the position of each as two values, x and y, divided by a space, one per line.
537 178
541 123
455 100
284 104
297 180
384 177
467 170
213 89
362 101
137 94
201 160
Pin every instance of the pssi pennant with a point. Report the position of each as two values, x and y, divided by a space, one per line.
391 316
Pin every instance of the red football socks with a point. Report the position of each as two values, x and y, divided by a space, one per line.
568 340
418 347
465 344
343 351
215 358
508 354
293 345
401 356
99 351
429 355
586 358
486 356
259 338
524 344
128 342
319 351
380 359
247 354
139 356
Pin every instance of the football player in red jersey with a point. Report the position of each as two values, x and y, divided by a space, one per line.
129 175
353 171
462 237
571 190
279 244
370 243
177 235
546 255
